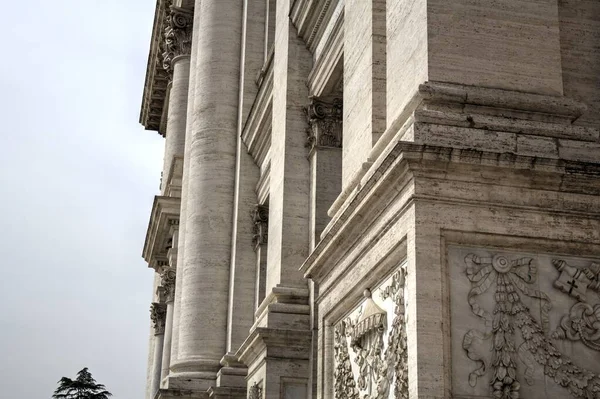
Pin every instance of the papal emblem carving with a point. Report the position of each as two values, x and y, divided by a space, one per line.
370 353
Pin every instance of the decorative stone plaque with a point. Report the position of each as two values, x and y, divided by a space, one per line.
370 345
524 325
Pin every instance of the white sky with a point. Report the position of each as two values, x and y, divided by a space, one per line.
78 175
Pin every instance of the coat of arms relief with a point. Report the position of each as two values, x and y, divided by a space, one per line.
370 345
536 326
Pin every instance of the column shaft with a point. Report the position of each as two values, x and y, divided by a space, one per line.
156 368
168 340
184 189
176 117
210 192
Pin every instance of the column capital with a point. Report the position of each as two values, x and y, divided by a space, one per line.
260 219
178 35
325 123
158 315
167 276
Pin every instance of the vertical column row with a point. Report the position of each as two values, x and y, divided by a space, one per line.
209 187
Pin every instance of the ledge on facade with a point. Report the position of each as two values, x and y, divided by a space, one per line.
279 343
327 74
406 162
485 109
164 218
156 86
178 393
310 17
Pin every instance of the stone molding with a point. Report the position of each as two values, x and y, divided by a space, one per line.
177 35
260 219
325 123
406 161
156 86
311 18
158 315
164 221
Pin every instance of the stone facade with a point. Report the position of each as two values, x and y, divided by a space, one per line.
375 199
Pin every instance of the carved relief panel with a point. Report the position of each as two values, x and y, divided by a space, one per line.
524 325
370 354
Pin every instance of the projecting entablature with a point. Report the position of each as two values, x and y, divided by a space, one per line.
164 220
171 38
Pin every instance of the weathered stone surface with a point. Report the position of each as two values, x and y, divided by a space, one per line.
433 167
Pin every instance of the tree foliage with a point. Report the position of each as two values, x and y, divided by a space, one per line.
83 387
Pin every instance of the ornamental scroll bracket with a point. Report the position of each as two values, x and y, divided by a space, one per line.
324 123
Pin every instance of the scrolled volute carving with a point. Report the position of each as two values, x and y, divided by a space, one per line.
168 276
177 35
325 123
260 219
158 315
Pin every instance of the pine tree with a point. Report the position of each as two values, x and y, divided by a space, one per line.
83 387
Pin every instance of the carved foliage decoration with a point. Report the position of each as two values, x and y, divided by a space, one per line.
260 219
365 367
255 391
325 124
177 35
158 315
168 276
511 280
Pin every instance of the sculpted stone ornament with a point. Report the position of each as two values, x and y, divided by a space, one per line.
325 124
576 282
255 391
178 35
371 369
512 279
168 277
158 315
260 219
581 324
344 384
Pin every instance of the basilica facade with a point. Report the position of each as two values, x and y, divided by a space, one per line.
375 199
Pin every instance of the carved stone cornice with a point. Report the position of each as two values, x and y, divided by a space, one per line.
164 221
158 315
177 35
155 97
260 219
168 276
325 123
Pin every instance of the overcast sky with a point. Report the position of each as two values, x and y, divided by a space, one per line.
78 176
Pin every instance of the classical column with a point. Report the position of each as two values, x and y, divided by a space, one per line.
179 35
325 144
168 275
176 61
209 188
158 313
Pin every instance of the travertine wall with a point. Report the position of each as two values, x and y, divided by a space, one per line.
290 174
364 81
579 38
505 44
407 53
